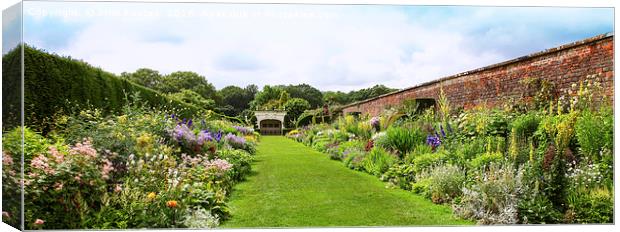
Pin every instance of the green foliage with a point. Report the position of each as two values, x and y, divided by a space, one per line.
354 158
193 98
238 99
482 121
146 77
269 94
485 160
57 84
422 187
312 95
378 161
594 132
357 95
240 159
404 139
525 125
180 80
33 144
400 175
428 161
446 183
295 107
538 210
590 206
471 148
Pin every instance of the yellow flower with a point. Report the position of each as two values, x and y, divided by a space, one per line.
145 141
172 204
122 119
151 196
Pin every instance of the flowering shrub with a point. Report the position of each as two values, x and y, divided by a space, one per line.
63 185
143 168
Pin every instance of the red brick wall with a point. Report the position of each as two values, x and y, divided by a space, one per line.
494 84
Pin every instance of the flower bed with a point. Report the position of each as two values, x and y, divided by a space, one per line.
141 169
505 165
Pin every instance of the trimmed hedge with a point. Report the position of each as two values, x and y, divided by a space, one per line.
53 83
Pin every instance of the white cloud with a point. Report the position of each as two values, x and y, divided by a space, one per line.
330 47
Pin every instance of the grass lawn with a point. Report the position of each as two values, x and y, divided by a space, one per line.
295 186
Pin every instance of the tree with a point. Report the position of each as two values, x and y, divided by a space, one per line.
146 77
177 81
335 98
295 107
236 99
269 95
307 92
193 98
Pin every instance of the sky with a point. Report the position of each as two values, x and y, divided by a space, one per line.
331 47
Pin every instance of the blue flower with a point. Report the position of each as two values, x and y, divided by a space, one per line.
218 136
433 141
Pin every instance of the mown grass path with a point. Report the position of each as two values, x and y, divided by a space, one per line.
295 186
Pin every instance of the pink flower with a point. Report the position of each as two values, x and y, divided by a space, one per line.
58 186
118 188
39 222
78 178
84 148
41 163
7 160
33 175
219 164
58 157
107 168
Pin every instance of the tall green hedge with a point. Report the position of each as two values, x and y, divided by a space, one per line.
53 83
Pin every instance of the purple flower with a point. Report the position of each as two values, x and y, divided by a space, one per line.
433 141
218 136
235 141
375 122
204 136
182 133
244 130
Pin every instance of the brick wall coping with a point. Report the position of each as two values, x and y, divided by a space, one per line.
504 63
